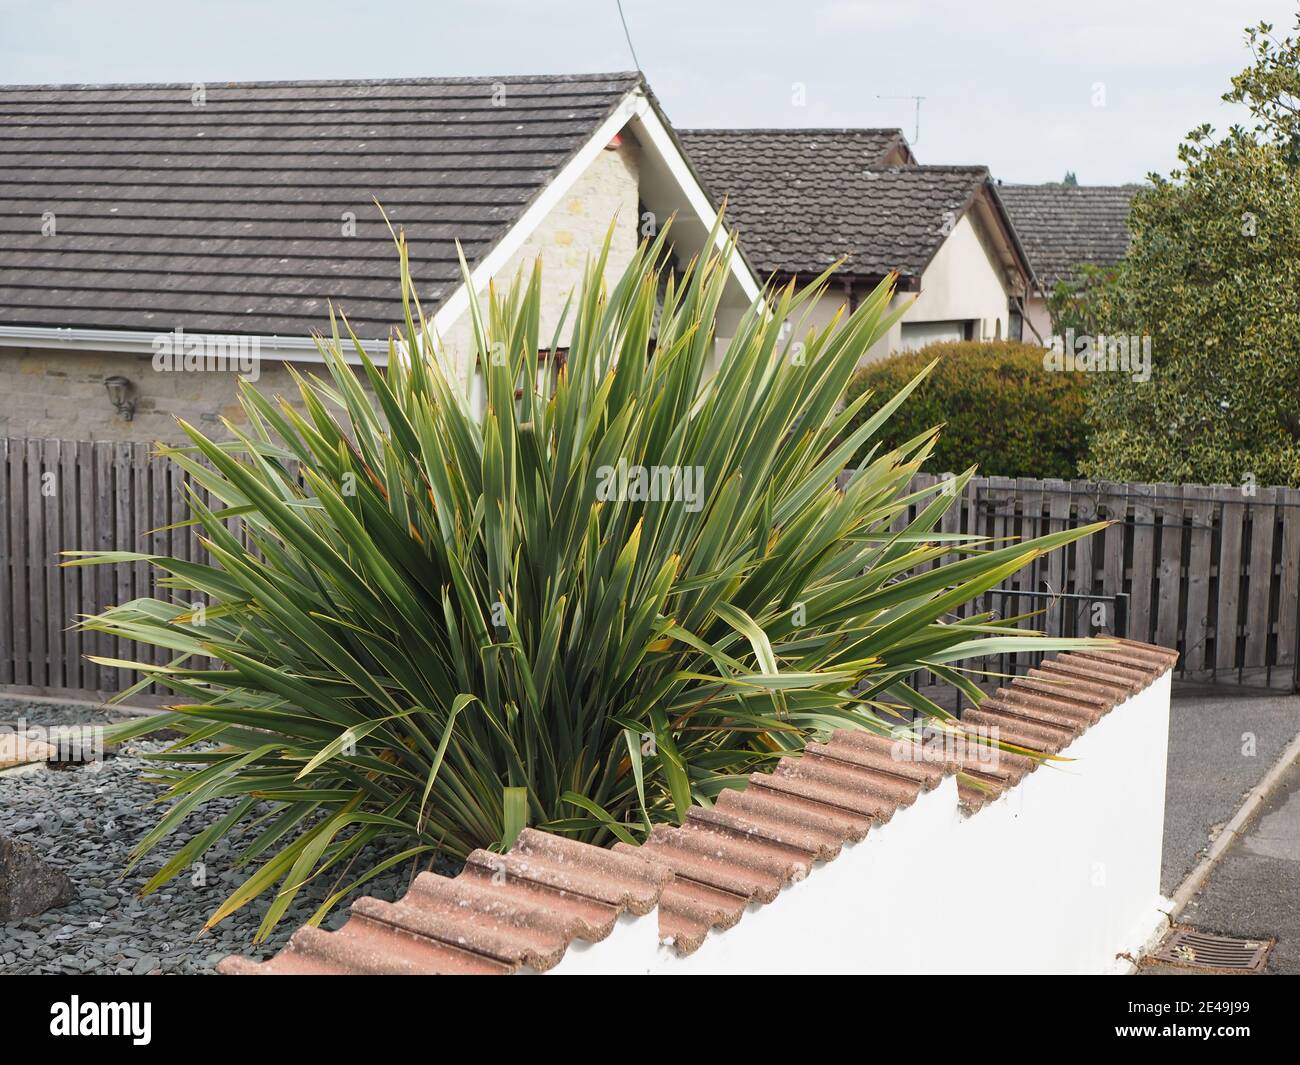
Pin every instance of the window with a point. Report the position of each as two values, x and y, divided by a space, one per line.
918 334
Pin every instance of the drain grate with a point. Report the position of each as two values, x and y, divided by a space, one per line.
1201 950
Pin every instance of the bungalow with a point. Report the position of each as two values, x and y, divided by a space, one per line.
1061 227
142 224
804 198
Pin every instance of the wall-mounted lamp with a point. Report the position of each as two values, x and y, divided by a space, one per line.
121 393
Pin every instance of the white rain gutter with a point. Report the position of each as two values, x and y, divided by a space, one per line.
143 342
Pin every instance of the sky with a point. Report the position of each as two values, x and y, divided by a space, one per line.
1030 88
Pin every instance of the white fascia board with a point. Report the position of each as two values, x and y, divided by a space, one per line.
143 342
659 137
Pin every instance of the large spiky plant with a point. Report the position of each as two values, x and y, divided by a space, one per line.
450 618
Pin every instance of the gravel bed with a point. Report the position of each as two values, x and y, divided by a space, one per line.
85 820
47 714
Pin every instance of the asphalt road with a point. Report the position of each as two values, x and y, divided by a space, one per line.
1221 743
1254 889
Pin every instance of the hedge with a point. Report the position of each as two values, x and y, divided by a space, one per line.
1000 409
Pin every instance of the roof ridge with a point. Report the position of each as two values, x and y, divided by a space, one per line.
525 907
947 168
1071 188
455 79
794 129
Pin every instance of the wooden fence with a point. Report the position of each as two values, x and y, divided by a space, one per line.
1213 571
65 495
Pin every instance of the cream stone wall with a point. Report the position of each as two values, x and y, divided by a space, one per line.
49 392
571 233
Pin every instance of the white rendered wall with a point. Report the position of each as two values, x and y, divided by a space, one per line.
964 281
1037 319
1061 874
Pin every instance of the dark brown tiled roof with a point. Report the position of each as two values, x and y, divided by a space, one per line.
803 198
228 217
1062 226
524 908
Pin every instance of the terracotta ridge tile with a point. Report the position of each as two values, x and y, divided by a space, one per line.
1019 730
1086 700
688 911
822 784
693 859
1114 690
900 789
820 845
1075 661
504 937
912 771
847 825
1046 709
1123 656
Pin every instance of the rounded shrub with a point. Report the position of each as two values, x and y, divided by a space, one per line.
999 408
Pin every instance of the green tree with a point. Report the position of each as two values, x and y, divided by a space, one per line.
1212 276
1271 88
1088 302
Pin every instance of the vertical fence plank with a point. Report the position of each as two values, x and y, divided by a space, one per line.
1112 503
1144 562
123 585
1083 506
86 642
197 553
1262 511
1059 567
1227 625
35 567
8 611
69 540
179 546
950 522
1197 623
970 519
141 572
18 494
159 538
1169 568
1032 498
52 517
1288 595
105 533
